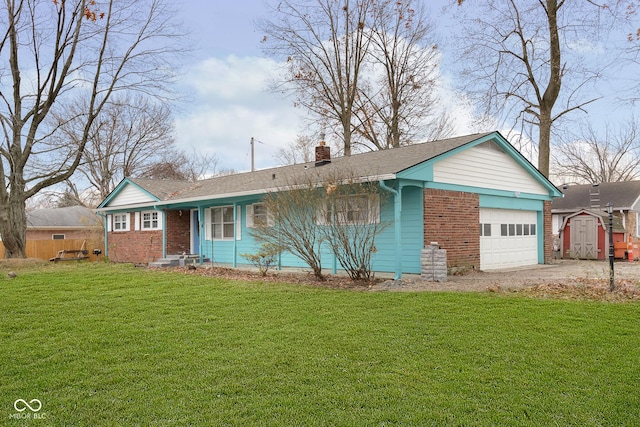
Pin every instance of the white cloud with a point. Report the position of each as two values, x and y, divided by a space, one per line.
230 104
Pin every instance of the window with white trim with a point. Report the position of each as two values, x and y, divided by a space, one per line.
222 223
57 236
354 209
257 215
150 220
121 222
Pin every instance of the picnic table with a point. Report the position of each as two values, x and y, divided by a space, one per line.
72 254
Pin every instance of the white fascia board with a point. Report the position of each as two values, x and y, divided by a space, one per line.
155 205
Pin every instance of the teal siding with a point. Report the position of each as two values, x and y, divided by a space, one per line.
412 229
384 258
412 234
222 252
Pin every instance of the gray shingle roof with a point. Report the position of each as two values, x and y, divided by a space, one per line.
622 195
73 216
375 163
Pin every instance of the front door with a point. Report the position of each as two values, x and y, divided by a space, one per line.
584 237
195 232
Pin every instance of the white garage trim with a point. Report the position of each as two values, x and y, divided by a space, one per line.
508 238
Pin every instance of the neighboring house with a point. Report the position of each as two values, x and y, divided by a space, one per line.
475 195
581 220
74 222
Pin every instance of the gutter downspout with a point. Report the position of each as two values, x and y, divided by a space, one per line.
397 225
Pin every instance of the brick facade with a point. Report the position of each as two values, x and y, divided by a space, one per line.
144 246
178 232
452 219
141 246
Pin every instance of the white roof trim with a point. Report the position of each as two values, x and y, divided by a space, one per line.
136 206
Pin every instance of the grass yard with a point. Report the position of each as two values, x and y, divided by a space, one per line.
111 345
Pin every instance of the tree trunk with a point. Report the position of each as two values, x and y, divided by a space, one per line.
346 123
544 144
552 91
13 224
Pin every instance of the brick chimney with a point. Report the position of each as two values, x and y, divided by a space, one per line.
323 154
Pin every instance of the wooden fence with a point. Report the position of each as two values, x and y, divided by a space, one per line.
47 249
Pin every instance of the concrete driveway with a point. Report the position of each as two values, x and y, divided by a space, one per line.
560 271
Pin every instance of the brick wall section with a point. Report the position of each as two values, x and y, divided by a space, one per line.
178 232
135 246
548 235
68 234
452 219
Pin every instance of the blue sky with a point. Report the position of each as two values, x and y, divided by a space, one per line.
225 84
226 81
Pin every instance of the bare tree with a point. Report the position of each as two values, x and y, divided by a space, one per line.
517 60
397 105
130 134
593 157
329 208
292 222
352 224
324 44
299 151
176 164
51 55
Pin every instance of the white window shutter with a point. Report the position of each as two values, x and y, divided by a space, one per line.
249 216
238 223
160 222
136 224
127 221
109 219
207 224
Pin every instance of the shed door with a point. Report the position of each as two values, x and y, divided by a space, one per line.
508 238
584 237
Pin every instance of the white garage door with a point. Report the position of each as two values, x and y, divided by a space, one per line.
508 238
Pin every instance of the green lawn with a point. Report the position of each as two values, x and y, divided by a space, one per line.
101 344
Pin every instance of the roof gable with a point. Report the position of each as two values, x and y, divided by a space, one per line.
489 161
128 192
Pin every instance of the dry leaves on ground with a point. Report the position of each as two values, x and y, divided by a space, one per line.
578 289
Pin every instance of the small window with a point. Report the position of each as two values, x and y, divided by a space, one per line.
526 229
120 222
519 229
57 236
512 229
503 230
259 214
150 220
222 223
485 230
532 227
354 209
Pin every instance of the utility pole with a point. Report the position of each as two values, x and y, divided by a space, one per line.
252 156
